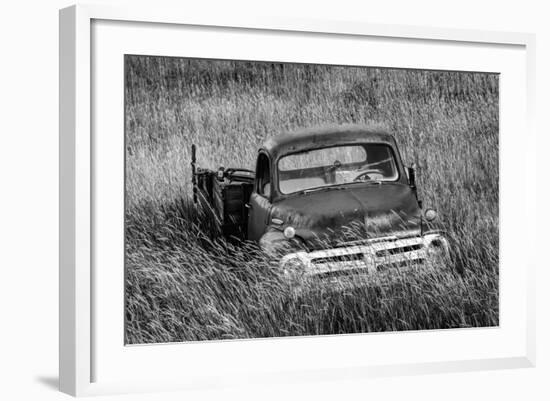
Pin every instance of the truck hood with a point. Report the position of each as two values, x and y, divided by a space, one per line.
336 216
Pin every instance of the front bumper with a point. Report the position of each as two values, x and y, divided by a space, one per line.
365 258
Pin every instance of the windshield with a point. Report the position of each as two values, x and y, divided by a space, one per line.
337 165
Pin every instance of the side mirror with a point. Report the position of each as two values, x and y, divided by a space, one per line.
411 174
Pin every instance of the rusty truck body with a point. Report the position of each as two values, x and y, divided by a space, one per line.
326 202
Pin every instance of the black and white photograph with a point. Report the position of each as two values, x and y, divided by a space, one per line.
301 200
268 199
259 201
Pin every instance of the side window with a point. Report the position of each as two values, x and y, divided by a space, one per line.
262 171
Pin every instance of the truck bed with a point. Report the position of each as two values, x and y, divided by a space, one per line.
221 197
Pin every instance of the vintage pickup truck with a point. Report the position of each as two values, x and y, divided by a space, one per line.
326 202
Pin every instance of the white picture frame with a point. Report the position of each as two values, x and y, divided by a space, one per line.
83 352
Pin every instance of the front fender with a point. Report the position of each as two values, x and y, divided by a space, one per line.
276 245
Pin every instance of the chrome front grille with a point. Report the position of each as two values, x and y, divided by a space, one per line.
366 258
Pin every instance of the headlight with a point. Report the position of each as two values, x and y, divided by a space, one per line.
289 232
292 266
430 214
438 246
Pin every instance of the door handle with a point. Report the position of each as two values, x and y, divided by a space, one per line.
248 205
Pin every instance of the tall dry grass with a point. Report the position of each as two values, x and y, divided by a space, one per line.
182 286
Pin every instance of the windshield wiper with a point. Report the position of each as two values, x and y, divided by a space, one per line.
344 185
327 187
371 181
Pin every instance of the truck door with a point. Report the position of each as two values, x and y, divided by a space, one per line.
260 200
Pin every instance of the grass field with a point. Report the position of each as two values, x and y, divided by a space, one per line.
181 287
